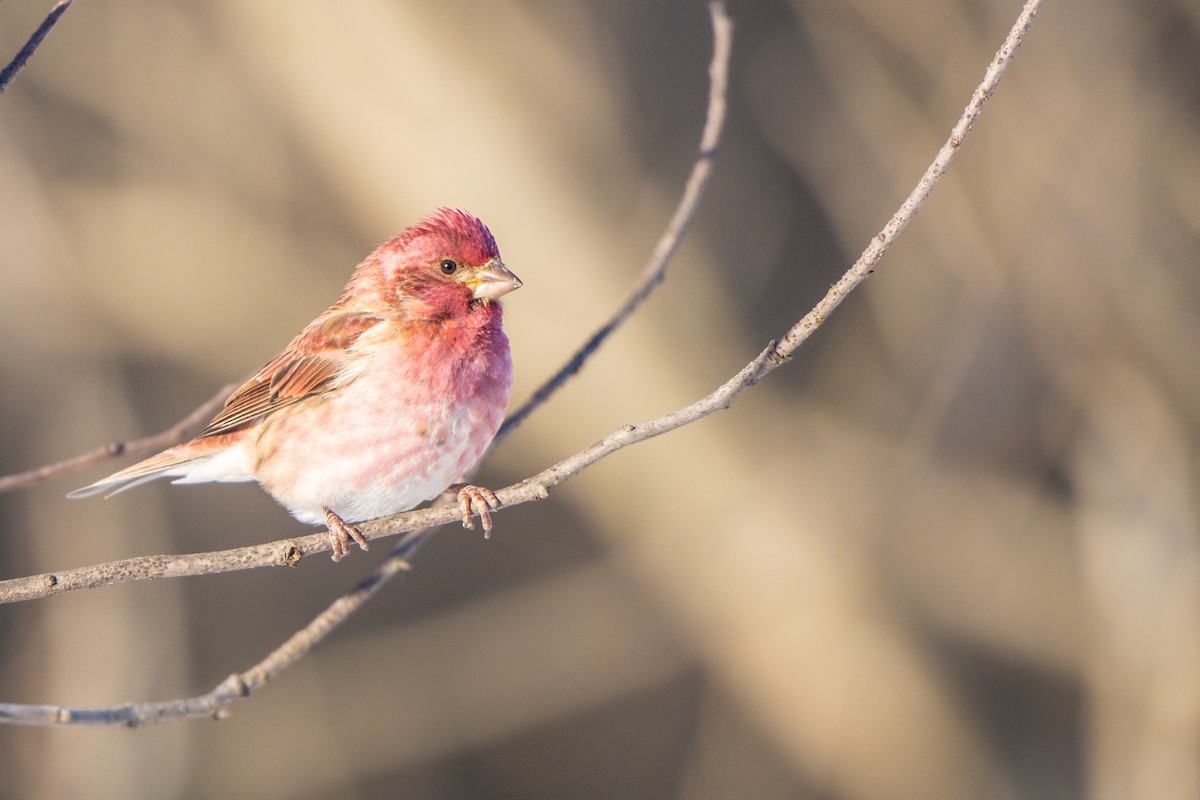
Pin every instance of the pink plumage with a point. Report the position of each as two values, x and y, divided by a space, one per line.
381 402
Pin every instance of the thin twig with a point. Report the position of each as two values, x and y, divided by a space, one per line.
908 209
18 63
537 486
173 435
655 270
214 703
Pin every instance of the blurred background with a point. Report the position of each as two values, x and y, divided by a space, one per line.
949 551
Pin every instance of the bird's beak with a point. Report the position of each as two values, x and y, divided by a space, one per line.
492 281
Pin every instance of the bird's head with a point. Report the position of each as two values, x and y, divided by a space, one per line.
445 266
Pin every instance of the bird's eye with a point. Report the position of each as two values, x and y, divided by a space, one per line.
448 266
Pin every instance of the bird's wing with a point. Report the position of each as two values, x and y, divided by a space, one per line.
311 364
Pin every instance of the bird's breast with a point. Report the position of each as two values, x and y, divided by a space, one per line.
416 411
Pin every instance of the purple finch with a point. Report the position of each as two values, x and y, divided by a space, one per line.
381 402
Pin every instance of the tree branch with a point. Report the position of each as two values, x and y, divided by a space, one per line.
18 63
172 435
908 209
214 704
537 486
655 269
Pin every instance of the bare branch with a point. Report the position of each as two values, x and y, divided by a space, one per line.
656 268
18 63
214 703
908 209
173 435
537 486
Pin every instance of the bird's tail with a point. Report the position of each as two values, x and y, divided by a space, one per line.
168 463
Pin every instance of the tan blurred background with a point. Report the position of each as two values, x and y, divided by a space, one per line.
951 551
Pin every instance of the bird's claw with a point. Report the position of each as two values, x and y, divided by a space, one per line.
477 500
340 534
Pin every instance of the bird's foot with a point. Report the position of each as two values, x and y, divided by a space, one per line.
476 500
340 534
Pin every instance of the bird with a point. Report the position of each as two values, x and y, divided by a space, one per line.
381 402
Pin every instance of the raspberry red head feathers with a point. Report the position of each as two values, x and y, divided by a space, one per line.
442 264
458 233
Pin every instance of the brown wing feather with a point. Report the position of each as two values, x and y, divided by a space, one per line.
307 366
302 375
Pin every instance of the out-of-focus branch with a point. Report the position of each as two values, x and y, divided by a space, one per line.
18 63
537 486
173 435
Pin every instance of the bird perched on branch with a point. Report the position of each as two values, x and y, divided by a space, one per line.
381 402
